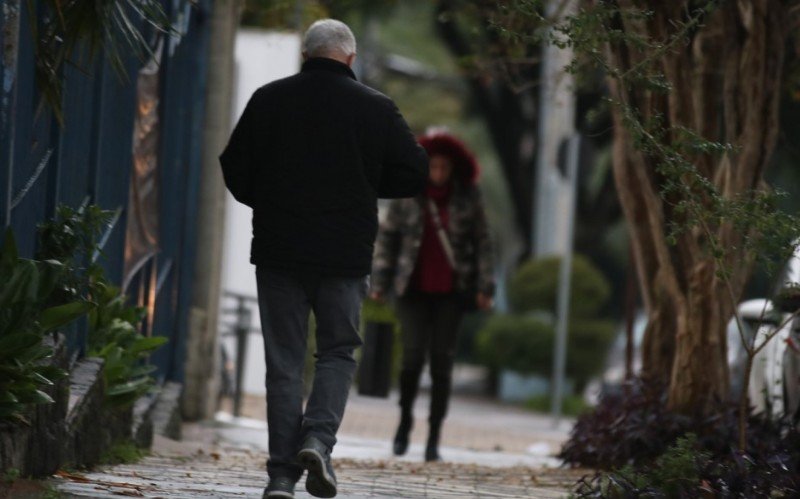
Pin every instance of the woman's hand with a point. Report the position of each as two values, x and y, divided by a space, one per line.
377 296
484 301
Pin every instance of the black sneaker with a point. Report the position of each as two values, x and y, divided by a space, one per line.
315 456
279 487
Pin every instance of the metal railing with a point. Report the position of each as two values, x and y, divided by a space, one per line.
240 328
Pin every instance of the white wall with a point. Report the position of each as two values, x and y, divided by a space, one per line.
261 57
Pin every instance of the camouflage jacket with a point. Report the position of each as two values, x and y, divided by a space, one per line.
400 236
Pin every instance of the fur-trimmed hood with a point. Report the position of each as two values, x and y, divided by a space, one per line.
465 165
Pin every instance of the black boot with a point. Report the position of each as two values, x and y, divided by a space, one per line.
432 448
400 445
409 384
441 377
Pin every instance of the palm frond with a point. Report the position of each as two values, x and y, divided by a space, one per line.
62 29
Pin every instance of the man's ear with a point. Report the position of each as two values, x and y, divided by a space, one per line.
351 59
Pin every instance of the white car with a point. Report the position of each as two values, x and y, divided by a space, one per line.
775 378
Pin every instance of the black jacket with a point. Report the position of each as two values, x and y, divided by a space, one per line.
311 154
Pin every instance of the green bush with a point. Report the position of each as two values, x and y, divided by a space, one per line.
535 284
72 238
676 473
525 344
522 344
114 337
25 317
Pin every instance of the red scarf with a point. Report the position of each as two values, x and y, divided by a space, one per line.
433 273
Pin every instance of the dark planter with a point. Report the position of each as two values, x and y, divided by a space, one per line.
36 450
375 369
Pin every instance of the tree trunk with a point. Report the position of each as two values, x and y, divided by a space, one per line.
725 86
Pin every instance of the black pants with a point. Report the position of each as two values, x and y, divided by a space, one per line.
430 324
285 301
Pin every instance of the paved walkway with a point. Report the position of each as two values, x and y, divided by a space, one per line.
491 451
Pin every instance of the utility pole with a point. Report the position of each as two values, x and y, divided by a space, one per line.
555 194
556 126
564 283
202 377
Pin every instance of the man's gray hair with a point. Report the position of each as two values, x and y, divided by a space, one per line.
329 37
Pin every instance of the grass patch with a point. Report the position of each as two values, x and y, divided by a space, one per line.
11 475
124 452
573 405
50 492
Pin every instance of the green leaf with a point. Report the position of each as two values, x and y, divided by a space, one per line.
13 344
41 379
10 254
38 352
62 315
50 271
126 399
10 373
51 372
129 387
146 344
115 372
35 397
21 285
21 386
6 397
145 370
12 413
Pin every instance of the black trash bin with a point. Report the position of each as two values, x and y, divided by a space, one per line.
375 370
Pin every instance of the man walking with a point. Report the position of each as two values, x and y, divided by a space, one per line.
311 154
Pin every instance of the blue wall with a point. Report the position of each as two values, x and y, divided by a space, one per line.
88 159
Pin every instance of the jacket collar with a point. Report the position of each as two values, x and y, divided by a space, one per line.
325 64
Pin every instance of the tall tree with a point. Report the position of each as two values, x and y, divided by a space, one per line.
694 92
724 80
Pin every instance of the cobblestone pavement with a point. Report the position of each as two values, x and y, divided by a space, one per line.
235 473
492 450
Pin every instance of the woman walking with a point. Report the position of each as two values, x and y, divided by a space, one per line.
434 254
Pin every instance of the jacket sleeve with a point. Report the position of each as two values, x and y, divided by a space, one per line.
237 158
483 248
405 164
387 249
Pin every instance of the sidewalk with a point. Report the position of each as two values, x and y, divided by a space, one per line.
491 450
180 471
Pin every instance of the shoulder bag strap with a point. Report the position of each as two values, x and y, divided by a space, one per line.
440 232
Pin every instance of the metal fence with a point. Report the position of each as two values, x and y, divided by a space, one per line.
89 160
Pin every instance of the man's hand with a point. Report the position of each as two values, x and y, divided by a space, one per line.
377 296
484 301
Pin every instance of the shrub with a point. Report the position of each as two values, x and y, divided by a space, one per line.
525 344
659 453
627 426
535 284
114 337
25 317
72 238
674 474
522 344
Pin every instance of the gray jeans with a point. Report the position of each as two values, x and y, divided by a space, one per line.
285 301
